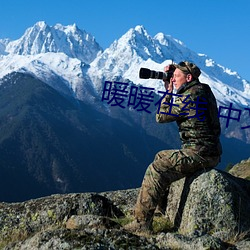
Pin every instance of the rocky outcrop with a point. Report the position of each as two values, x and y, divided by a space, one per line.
211 202
209 210
241 169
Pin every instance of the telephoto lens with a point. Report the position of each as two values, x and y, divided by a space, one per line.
147 73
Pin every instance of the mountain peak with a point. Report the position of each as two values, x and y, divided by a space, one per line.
167 40
140 29
41 24
69 28
139 42
42 38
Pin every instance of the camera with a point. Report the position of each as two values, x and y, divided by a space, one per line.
145 73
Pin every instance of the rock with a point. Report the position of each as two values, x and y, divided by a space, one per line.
178 241
123 199
20 220
90 221
63 239
241 169
209 210
212 202
243 245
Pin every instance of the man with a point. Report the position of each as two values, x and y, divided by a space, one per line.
194 108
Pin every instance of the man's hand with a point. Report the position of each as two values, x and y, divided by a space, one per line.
168 85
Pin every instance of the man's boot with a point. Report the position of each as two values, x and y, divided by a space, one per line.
142 220
137 226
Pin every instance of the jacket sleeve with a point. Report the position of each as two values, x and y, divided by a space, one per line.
171 109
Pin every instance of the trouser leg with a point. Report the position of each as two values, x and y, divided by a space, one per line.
167 167
162 203
158 177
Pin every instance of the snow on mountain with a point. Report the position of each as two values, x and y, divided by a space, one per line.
42 38
124 56
70 60
57 55
137 49
3 43
63 73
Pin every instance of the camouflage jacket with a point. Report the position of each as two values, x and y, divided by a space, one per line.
194 108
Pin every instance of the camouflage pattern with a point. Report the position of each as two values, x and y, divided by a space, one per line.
168 166
200 144
202 131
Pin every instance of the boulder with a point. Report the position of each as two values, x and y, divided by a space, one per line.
241 169
210 202
209 210
19 221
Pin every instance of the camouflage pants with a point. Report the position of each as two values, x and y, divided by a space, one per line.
167 167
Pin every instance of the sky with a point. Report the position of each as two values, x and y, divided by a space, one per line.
217 28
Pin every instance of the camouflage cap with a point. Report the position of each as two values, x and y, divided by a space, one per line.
189 68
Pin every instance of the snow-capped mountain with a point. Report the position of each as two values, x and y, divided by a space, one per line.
57 55
137 49
55 139
63 73
72 55
3 43
41 38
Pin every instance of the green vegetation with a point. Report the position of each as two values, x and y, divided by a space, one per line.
160 223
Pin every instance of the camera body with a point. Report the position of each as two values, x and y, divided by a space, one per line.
146 73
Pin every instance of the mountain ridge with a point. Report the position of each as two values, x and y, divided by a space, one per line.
135 49
42 38
55 144
64 137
